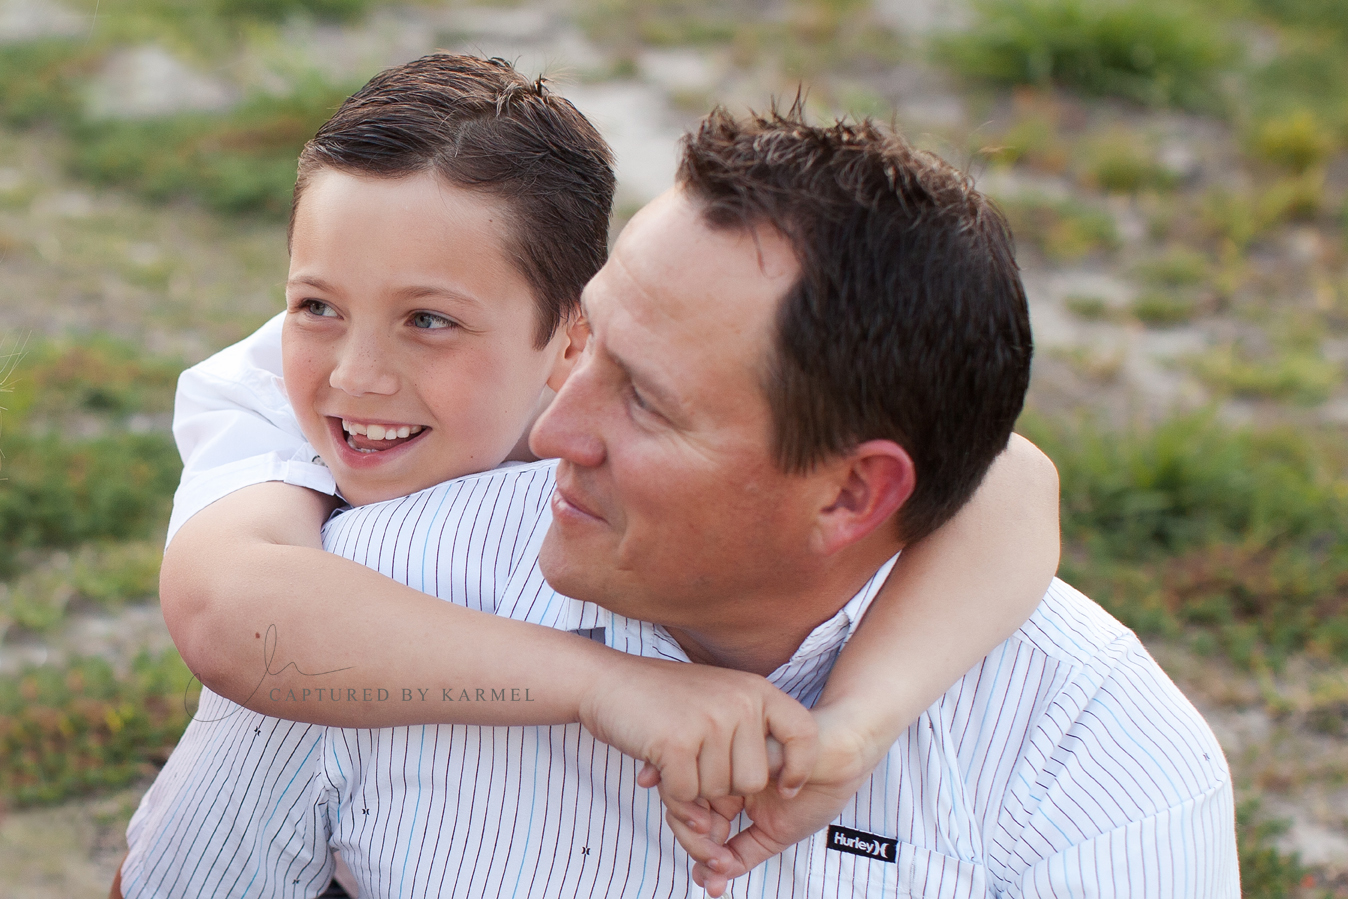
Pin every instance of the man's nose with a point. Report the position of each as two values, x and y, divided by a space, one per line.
364 366
569 427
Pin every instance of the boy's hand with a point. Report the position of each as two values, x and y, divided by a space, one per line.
702 731
703 826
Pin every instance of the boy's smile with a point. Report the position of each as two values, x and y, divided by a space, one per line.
408 345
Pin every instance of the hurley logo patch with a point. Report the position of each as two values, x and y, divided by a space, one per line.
858 842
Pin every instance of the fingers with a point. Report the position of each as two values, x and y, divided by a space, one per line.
701 833
748 849
748 762
649 776
790 725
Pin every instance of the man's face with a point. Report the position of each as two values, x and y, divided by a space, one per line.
668 497
408 344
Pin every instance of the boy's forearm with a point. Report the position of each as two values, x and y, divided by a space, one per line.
262 622
950 600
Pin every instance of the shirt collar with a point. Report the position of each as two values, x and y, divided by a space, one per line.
802 676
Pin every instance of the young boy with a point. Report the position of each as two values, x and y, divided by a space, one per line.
445 220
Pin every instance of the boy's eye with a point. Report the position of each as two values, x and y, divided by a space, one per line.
319 308
430 321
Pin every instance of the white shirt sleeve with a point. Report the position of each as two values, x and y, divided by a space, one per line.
234 427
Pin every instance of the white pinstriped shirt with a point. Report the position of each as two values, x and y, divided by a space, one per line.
1066 764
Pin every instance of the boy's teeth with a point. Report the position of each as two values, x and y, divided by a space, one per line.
381 432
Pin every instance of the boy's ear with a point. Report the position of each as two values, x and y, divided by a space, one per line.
576 333
865 488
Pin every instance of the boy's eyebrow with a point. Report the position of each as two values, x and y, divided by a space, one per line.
311 281
415 292
419 291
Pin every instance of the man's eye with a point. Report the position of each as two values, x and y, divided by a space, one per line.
430 321
319 308
637 399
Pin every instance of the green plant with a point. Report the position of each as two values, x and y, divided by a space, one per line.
39 81
86 727
1153 52
61 493
276 10
1063 230
98 375
240 162
1163 309
1118 162
1090 308
1033 141
1240 533
106 575
1296 375
1292 199
1297 141
1265 871
1179 267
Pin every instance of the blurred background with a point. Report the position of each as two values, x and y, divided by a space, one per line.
1175 171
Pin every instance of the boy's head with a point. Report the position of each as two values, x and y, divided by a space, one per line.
444 223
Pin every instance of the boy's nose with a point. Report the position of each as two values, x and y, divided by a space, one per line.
363 369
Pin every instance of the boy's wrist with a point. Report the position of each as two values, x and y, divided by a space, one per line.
853 738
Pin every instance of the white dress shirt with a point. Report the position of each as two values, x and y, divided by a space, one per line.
1065 764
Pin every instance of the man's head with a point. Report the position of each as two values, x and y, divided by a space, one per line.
444 223
812 320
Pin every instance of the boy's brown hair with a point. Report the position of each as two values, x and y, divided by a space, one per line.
481 125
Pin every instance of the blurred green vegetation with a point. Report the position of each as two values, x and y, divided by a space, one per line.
1156 52
103 575
1194 524
1265 872
1064 229
1294 374
808 38
59 491
97 374
240 161
66 731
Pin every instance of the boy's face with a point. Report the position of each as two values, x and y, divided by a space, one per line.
408 345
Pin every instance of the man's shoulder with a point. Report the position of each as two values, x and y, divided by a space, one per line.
1072 629
485 490
461 540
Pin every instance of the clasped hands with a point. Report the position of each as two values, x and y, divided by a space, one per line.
717 742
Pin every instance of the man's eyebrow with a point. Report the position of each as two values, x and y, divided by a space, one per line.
647 382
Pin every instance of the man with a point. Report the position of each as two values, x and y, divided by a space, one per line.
802 358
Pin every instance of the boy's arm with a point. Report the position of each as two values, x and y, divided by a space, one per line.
267 618
255 605
950 599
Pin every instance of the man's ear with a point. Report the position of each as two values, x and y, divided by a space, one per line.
576 333
868 486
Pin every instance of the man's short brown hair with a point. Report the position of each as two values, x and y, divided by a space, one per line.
908 322
481 125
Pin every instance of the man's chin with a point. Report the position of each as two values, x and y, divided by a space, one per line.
566 569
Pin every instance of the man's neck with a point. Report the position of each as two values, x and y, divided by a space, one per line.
777 625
